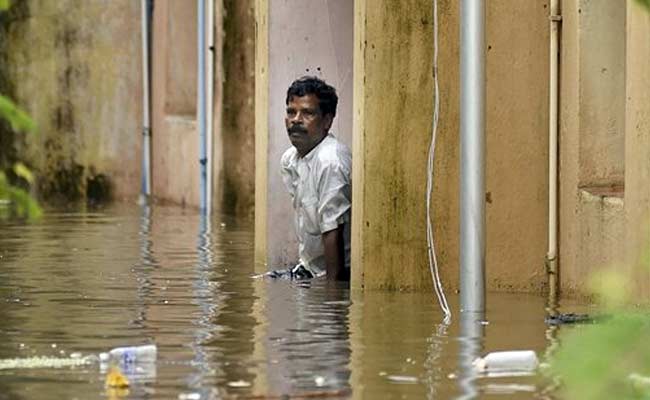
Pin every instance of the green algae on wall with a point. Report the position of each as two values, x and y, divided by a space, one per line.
238 107
74 66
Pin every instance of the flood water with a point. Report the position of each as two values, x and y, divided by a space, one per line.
88 281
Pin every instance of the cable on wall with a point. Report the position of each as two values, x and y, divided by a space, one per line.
433 262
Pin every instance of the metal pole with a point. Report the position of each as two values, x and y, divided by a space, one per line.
201 120
472 156
146 123
209 103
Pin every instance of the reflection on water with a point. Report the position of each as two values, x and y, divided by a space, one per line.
471 335
89 281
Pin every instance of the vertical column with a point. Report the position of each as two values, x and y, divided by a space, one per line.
393 110
261 130
637 145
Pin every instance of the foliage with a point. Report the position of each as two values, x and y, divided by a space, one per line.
15 201
645 3
609 359
18 119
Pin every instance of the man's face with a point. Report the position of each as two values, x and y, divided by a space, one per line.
306 124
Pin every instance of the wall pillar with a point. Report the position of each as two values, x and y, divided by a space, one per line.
637 146
393 108
592 141
393 113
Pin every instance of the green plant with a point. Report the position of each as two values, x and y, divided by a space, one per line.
607 360
645 3
13 199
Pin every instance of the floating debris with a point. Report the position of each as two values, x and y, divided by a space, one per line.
402 379
45 362
239 384
505 362
569 318
189 396
116 379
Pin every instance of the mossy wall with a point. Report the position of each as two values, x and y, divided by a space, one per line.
238 123
393 124
75 67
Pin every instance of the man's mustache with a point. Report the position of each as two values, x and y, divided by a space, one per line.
297 129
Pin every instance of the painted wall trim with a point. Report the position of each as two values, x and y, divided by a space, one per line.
358 133
261 130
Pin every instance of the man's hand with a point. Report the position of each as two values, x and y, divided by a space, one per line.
334 246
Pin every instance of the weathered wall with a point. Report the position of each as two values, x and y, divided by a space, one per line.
75 66
175 158
175 144
592 140
393 105
238 93
321 45
393 113
637 146
517 144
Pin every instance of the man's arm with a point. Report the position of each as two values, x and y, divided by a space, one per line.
334 247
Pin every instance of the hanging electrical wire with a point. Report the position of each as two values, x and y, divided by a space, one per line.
433 262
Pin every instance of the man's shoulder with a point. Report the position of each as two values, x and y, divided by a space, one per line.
289 154
334 151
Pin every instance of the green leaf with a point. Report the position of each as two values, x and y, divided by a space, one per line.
18 119
22 171
645 3
4 4
23 205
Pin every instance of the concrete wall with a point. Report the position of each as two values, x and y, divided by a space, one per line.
592 140
637 147
517 144
393 113
393 109
320 44
175 139
76 68
237 129
175 144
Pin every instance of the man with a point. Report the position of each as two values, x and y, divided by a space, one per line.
316 172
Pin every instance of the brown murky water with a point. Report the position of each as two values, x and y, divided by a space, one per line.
89 281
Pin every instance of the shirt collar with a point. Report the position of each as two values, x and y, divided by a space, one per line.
309 156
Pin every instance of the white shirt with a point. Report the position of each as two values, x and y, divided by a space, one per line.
320 186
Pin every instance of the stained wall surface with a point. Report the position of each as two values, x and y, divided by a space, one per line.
637 148
75 67
175 159
393 117
592 142
175 144
320 45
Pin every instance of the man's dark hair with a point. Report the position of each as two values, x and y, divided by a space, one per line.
326 94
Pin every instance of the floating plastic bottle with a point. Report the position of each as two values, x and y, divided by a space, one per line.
145 354
504 361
